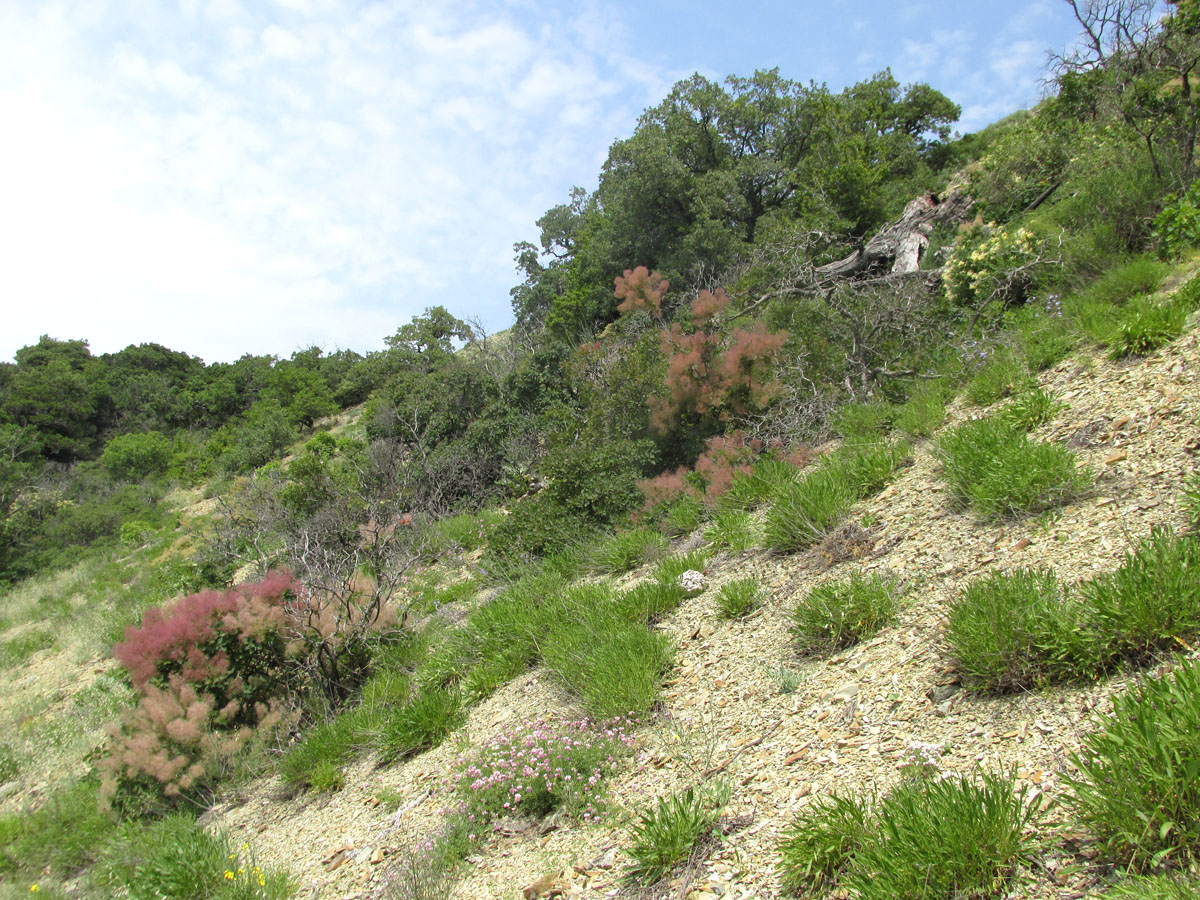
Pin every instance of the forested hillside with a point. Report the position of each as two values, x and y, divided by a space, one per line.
812 409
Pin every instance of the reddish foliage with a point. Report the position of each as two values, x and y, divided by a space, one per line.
640 289
725 456
668 487
707 304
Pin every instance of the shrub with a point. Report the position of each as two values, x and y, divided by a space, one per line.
995 468
534 768
421 724
132 457
175 859
211 668
1012 630
668 833
839 614
1177 226
1031 409
1136 785
943 838
1151 602
1145 325
628 550
990 263
738 598
820 842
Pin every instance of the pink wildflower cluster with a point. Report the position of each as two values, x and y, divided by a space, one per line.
537 767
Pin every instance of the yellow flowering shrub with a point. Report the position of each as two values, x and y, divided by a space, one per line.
989 262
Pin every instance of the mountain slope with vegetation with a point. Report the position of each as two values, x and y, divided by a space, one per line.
825 526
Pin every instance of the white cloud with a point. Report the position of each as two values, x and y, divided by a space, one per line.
228 179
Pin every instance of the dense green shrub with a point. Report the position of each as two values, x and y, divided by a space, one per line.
1177 226
839 614
131 457
1136 786
993 467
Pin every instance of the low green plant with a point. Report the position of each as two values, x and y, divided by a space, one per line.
467 531
668 834
16 650
1000 374
923 413
1136 784
682 516
1177 226
1151 602
1012 630
176 859
839 614
944 838
750 489
1145 324
732 530
647 602
61 837
868 420
10 768
672 567
819 843
1154 887
785 679
1191 499
421 724
739 598
1140 275
1031 409
628 550
316 762
804 510
992 466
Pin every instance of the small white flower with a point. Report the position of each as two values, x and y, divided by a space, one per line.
692 581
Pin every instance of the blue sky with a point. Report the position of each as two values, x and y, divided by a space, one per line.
228 177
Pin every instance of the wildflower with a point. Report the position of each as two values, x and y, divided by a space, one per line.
229 876
33 889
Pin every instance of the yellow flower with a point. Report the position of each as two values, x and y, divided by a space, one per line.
229 876
33 889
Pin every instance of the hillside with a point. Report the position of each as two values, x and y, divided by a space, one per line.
847 724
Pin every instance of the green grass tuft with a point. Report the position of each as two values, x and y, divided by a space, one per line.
668 834
628 550
839 614
1146 324
737 599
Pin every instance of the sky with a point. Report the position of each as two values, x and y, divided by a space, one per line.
260 176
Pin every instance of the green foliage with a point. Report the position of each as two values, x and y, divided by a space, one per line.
421 724
628 550
1031 409
316 761
733 530
1177 226
805 510
174 858
669 570
739 598
819 843
1137 779
1013 631
682 517
991 263
864 421
1155 887
61 837
839 614
993 467
131 457
647 602
1140 275
10 768
1145 324
1000 373
1152 600
468 531
923 413
667 834
950 838
1191 499
16 650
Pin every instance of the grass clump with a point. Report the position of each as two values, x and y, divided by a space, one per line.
10 768
820 842
805 510
992 466
750 489
682 517
923 413
1146 324
1151 602
999 375
669 833
62 837
1031 409
17 650
732 530
839 614
869 420
928 838
628 550
739 598
421 724
175 859
1012 630
672 567
1136 785
1155 887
